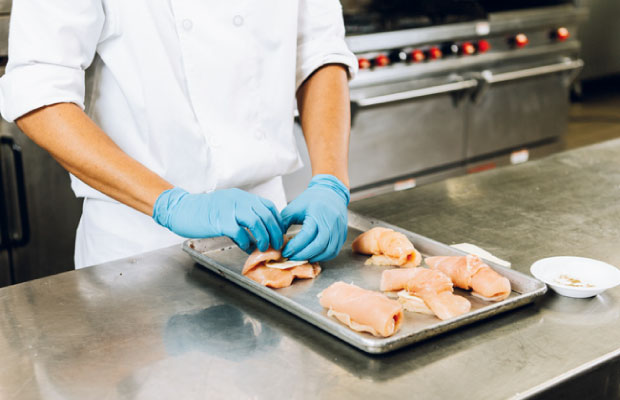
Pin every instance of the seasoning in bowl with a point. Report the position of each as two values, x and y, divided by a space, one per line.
578 277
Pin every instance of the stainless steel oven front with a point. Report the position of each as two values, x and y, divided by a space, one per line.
429 102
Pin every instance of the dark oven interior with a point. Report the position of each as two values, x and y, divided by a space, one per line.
390 7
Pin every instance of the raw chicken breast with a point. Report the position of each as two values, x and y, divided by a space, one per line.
489 285
396 279
280 278
435 289
387 247
470 272
427 280
447 305
269 269
260 257
362 310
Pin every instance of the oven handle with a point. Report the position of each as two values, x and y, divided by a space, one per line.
18 165
568 65
487 78
5 236
416 93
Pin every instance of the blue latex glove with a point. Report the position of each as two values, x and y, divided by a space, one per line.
221 213
322 209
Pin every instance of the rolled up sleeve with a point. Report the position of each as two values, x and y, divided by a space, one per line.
51 43
320 39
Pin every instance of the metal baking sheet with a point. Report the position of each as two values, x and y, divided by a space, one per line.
223 257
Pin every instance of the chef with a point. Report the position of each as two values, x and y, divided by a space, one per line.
190 120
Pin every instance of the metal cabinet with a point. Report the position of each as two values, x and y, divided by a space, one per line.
42 212
5 6
405 128
520 106
599 35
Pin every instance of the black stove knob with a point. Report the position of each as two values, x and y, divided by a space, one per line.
397 56
450 49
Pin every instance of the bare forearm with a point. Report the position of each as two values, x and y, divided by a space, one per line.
324 108
81 147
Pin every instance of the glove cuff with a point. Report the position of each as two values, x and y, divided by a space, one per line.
165 203
333 183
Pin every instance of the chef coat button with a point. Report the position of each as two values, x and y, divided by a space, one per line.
215 143
188 24
238 20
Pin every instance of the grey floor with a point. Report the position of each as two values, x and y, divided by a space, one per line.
595 117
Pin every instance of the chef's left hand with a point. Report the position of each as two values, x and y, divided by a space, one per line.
322 209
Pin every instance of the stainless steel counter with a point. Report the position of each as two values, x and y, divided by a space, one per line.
158 326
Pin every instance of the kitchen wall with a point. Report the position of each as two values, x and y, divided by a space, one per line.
600 35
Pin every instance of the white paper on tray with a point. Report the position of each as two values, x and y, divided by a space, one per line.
285 264
482 253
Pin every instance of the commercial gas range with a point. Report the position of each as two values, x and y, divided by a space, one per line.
448 87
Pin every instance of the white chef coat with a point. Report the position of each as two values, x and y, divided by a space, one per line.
202 92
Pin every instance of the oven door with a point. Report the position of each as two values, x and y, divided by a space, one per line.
405 128
397 130
520 107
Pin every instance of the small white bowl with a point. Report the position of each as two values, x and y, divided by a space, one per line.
576 276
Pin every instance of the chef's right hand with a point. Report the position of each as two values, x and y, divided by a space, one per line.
224 212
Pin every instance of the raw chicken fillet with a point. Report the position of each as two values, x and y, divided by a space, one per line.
396 279
257 267
362 310
387 247
435 289
470 272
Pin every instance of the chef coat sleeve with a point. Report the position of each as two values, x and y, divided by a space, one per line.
320 38
51 43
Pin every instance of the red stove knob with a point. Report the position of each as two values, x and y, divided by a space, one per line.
561 34
467 49
381 60
434 53
417 56
483 46
521 40
363 63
